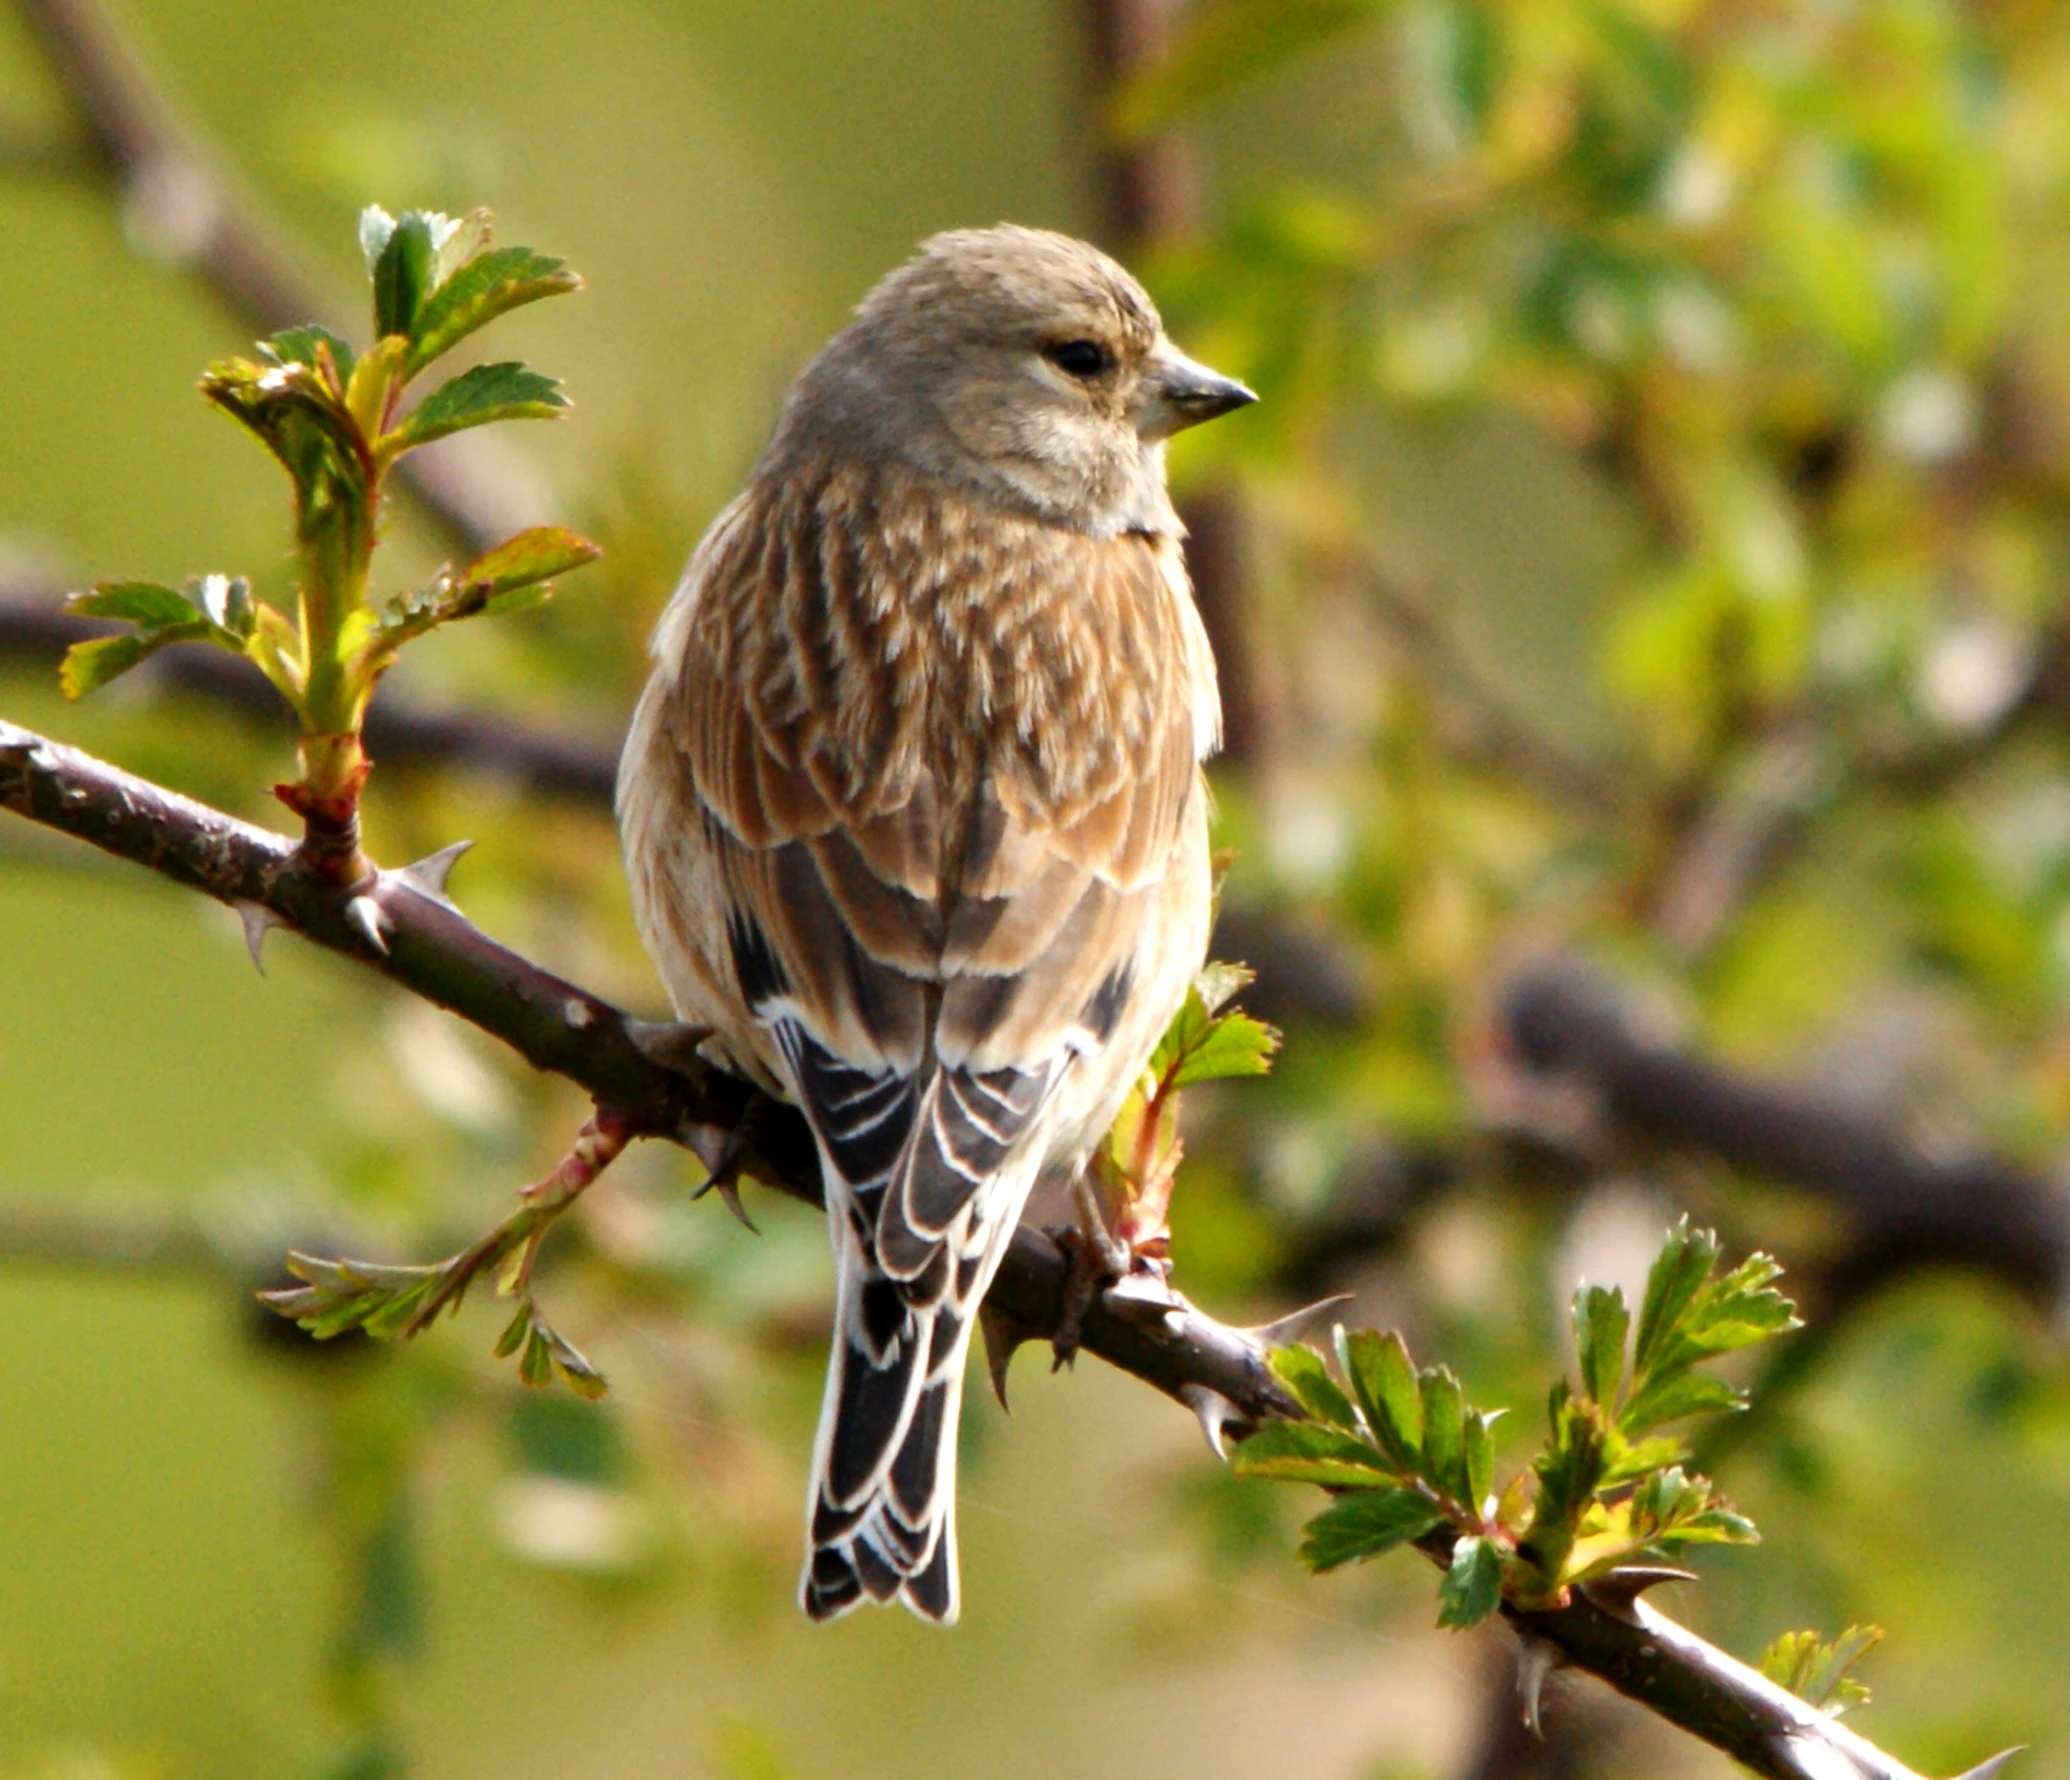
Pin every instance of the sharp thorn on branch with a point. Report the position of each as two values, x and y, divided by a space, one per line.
1285 1331
427 876
371 920
1616 1592
1536 1658
1214 1412
722 1176
674 1044
1003 1334
258 921
1990 1769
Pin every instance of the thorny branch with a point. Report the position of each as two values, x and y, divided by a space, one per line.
401 924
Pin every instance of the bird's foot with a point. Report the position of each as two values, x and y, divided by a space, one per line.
1096 1260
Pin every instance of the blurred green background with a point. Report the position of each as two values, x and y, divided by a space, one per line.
1667 434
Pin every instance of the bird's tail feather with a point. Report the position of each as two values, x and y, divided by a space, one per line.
881 1522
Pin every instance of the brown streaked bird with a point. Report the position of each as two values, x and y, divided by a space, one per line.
914 814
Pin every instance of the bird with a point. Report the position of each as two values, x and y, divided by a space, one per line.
914 814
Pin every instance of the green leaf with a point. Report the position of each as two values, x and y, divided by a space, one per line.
404 270
1384 1379
299 346
1480 1458
480 291
1677 1396
535 1365
1681 1267
1569 1471
477 397
1307 1452
1234 1045
1365 1523
1302 1371
1601 1323
514 1332
1444 1434
89 666
1472 1588
135 602
531 557
1817 1672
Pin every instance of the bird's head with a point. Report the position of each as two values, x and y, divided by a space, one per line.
1023 365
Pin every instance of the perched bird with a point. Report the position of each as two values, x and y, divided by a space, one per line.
914 816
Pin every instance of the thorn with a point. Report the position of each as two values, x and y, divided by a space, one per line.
428 875
1990 1768
671 1043
1296 1323
727 1186
1003 1334
1616 1592
258 921
1214 1412
722 1176
1536 1658
372 921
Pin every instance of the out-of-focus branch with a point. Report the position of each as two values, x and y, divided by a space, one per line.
181 205
401 924
1562 1026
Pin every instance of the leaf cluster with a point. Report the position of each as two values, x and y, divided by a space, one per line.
338 421
1410 1460
394 1303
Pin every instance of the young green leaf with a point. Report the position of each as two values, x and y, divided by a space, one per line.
310 345
1444 1434
532 556
1817 1672
89 666
481 290
1365 1523
1677 1396
1233 1045
1307 1452
1601 1323
1678 1271
404 271
477 397
1302 1371
134 602
1472 1588
1384 1379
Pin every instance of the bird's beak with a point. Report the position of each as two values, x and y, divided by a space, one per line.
1178 393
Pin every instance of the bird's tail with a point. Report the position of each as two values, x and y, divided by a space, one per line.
881 1518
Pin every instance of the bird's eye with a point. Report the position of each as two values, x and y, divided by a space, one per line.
1080 358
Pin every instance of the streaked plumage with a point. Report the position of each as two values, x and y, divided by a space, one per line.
914 816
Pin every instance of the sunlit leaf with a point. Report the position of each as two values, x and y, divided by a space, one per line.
1364 1524
475 398
1472 1588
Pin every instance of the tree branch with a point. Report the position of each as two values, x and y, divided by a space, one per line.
1563 1025
399 923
